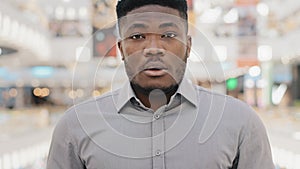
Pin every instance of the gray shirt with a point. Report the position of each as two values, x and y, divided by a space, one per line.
198 129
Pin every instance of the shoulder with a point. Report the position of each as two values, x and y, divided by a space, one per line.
231 109
228 101
90 105
107 97
87 109
231 116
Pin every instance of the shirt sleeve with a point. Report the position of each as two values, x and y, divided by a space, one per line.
254 148
63 151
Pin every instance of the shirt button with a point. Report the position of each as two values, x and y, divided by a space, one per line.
136 103
158 153
157 116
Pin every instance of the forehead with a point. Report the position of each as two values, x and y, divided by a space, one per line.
154 10
151 16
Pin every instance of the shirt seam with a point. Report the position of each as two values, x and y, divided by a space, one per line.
72 140
246 130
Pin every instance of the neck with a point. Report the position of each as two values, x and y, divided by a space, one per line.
154 98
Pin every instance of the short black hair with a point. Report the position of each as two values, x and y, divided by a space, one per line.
125 6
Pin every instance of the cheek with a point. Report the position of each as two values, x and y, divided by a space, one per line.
182 51
130 48
178 48
176 65
129 70
133 64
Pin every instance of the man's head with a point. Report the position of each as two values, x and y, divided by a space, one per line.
125 6
154 42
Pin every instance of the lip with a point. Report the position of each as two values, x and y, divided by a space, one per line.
154 69
155 72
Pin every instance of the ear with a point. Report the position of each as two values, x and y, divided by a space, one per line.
121 49
188 45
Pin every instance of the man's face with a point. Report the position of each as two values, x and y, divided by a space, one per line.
154 46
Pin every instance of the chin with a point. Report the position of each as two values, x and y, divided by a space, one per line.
155 84
148 87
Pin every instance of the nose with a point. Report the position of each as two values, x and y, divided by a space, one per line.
153 47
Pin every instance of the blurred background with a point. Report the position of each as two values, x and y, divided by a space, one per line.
56 53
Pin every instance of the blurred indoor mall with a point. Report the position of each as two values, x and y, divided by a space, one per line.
57 53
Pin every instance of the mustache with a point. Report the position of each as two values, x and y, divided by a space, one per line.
153 64
150 64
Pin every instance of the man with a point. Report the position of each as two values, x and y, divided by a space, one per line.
158 119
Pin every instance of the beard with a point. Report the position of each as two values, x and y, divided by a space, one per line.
147 90
175 67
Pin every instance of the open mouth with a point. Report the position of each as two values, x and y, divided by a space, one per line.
155 72
155 69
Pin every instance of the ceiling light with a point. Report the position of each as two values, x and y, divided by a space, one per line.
264 53
59 13
249 83
262 9
211 15
254 71
71 13
83 12
232 16
278 93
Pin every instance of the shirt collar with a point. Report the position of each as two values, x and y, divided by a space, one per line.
186 89
125 94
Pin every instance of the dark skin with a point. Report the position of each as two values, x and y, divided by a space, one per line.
154 47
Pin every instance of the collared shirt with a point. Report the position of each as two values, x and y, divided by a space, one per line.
197 129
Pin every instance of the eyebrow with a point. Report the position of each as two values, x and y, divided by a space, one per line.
168 24
138 25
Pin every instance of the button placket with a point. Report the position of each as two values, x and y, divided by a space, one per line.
158 140
156 116
158 153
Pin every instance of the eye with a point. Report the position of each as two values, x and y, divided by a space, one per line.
137 36
169 35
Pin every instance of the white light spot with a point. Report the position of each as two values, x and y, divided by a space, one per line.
211 15
83 54
254 71
249 83
71 13
264 53
59 13
278 93
262 9
221 53
232 16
